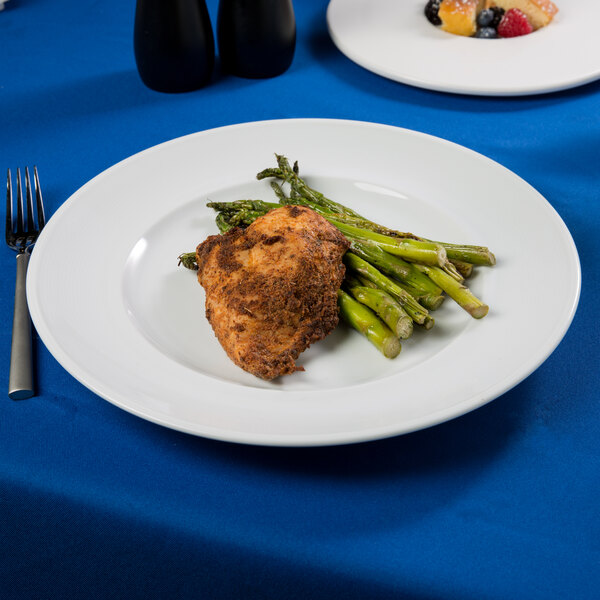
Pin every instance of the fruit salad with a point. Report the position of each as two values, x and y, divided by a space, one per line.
490 19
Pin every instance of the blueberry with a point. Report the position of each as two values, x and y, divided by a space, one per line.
487 33
431 11
485 17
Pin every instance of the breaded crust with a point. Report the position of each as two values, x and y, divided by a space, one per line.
271 289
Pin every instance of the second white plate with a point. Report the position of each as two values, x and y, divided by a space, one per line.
394 39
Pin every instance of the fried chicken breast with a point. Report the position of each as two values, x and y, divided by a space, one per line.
271 289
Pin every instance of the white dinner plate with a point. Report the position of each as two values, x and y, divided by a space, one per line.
111 304
394 39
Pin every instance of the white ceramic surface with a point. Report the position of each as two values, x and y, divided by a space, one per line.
129 324
394 39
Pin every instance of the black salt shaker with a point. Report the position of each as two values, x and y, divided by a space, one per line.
256 38
174 44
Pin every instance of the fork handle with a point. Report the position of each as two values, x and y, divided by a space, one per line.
20 381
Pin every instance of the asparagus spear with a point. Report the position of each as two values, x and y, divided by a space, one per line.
418 313
476 255
457 291
365 321
412 250
384 306
237 205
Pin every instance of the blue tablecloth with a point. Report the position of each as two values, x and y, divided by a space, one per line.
94 502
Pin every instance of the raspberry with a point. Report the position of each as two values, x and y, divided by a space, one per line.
514 23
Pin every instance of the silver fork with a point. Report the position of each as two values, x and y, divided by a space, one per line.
21 235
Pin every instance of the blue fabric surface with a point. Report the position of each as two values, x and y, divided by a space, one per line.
94 502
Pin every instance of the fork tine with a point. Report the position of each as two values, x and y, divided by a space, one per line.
20 219
29 196
38 197
9 223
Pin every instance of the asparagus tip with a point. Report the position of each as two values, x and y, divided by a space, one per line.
188 260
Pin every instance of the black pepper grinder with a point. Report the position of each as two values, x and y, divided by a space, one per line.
174 44
256 38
